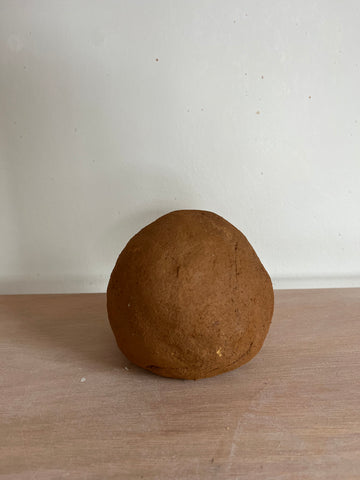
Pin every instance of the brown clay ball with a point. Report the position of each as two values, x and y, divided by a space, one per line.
189 298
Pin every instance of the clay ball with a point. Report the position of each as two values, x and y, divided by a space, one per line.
189 298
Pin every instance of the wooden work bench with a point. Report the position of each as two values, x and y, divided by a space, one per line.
71 405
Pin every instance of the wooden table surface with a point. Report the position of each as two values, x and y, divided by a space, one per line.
72 406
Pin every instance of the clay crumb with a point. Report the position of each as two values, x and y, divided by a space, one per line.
156 59
227 428
129 304
258 112
83 379
218 352
310 97
262 77
126 368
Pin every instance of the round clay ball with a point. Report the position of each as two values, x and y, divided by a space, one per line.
189 298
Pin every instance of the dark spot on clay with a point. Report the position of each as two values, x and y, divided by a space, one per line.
212 460
177 270
152 366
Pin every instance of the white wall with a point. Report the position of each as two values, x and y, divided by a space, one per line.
252 110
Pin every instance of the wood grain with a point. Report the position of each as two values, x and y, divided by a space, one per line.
73 407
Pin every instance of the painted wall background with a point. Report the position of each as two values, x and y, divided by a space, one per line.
113 113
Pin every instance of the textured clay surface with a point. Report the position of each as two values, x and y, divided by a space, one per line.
189 298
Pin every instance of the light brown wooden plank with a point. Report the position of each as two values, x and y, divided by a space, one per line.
291 413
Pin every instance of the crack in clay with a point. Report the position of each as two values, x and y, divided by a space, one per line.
151 367
236 262
233 363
